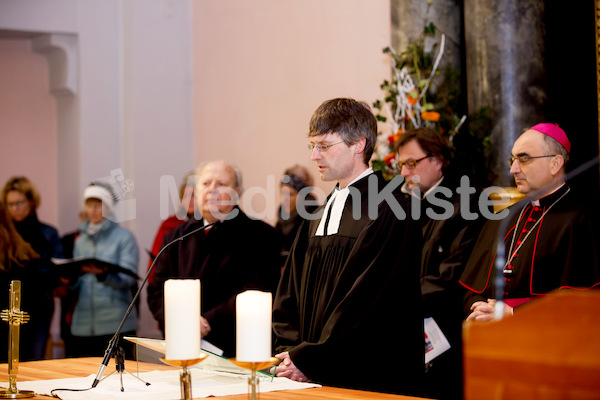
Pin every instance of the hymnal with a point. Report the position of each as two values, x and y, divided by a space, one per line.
72 266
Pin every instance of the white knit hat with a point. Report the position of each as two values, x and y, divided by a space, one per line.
101 193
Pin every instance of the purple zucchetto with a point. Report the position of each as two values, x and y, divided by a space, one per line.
555 132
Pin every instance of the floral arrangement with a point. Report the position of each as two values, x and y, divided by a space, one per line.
420 94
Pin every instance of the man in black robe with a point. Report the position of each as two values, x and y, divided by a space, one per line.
450 222
236 254
550 241
348 308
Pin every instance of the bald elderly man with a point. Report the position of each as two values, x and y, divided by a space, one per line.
238 253
550 243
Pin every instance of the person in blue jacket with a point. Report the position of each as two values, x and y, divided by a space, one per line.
103 296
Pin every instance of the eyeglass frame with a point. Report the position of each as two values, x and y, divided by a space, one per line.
524 159
321 148
17 204
415 162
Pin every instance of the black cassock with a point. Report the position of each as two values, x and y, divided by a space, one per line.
348 308
551 251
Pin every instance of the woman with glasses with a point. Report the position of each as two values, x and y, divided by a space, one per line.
21 200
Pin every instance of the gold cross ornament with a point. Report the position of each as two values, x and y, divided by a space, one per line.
15 318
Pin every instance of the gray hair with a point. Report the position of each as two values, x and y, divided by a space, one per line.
238 182
557 148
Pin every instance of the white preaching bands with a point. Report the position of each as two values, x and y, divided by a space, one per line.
338 199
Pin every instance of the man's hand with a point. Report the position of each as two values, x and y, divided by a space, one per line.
484 311
205 328
287 369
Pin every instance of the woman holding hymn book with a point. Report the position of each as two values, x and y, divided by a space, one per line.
103 294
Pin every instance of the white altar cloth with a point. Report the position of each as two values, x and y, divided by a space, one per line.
164 385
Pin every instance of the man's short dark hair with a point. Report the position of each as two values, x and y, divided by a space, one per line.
431 141
350 119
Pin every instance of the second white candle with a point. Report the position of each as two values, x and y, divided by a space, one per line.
253 326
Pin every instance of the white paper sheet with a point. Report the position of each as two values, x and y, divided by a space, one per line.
435 340
164 386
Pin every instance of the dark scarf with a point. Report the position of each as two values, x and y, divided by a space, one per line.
30 230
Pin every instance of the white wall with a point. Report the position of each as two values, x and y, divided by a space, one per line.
155 87
131 106
262 67
28 138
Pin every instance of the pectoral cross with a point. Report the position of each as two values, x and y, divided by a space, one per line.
15 318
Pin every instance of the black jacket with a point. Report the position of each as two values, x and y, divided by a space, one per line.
235 255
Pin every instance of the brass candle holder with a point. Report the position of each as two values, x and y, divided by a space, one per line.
185 378
15 318
253 382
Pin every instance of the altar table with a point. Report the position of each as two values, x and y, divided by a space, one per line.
82 367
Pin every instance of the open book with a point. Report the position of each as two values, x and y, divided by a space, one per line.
71 267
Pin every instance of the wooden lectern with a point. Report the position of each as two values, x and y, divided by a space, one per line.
549 349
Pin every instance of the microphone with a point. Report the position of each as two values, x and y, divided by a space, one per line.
501 246
113 341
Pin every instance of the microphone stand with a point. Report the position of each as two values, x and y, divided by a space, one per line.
120 368
501 246
115 339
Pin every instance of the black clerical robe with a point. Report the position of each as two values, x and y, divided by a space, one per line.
449 234
235 255
348 308
553 245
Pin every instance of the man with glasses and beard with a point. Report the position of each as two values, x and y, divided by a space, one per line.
449 232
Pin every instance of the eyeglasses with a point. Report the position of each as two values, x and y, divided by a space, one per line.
524 159
16 204
411 164
321 147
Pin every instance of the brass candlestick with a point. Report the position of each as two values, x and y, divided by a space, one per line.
15 318
253 382
185 378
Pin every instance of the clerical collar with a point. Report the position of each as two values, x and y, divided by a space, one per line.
405 189
332 213
549 198
548 201
358 178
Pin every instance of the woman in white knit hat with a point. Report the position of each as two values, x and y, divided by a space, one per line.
103 296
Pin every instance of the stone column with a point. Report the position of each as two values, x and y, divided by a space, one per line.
408 21
504 42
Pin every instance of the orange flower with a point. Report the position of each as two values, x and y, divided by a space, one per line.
413 97
432 116
393 138
388 159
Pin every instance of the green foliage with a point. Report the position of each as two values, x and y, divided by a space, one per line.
421 93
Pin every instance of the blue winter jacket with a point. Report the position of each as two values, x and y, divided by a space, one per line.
103 300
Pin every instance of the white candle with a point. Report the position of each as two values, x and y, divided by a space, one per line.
253 326
182 319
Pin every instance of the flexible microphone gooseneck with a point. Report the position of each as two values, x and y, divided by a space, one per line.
501 246
113 341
